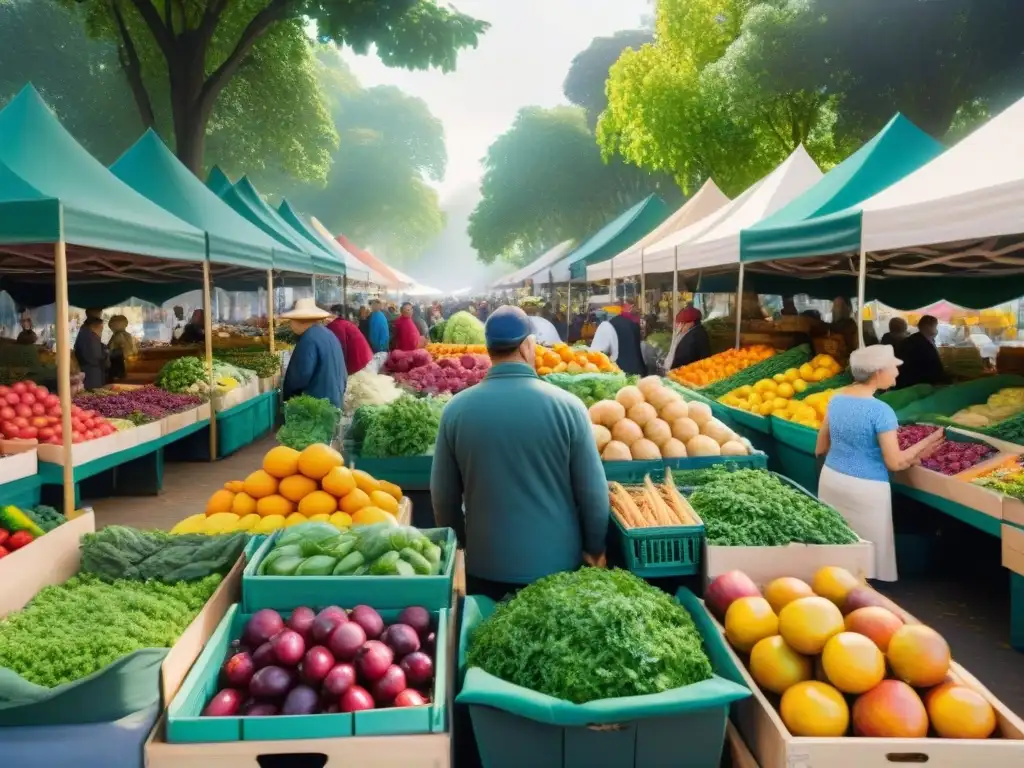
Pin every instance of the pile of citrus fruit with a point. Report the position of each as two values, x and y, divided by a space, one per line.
845 660
775 396
296 487
561 358
720 366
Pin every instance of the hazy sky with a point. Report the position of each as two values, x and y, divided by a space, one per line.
521 61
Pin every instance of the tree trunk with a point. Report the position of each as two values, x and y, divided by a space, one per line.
190 111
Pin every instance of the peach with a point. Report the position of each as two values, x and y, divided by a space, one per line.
875 623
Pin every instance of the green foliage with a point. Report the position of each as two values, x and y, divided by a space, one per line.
118 552
71 630
463 328
308 420
45 517
591 387
584 85
406 427
181 373
589 635
264 364
437 332
753 508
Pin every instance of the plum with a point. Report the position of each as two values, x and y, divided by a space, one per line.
224 703
402 639
356 699
317 662
346 640
373 660
418 668
289 647
301 700
301 621
262 626
238 670
369 620
270 683
339 679
390 684
416 617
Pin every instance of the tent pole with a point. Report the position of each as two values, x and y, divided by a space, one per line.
344 291
675 284
611 282
60 264
643 286
568 308
739 306
270 308
861 290
208 334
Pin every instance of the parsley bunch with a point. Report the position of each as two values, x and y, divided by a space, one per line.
589 635
405 427
753 508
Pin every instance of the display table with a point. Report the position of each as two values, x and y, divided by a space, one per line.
237 427
19 476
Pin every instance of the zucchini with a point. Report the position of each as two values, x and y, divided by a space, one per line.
348 564
317 565
13 520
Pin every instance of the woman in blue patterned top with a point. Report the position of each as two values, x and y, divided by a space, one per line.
858 440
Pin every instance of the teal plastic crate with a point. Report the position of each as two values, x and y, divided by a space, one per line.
410 473
24 492
285 593
185 725
654 735
660 552
794 452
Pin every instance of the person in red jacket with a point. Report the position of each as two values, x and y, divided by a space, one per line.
407 335
354 346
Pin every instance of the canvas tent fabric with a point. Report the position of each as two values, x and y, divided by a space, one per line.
218 181
330 262
98 209
628 227
391 280
708 199
150 168
533 270
826 219
354 268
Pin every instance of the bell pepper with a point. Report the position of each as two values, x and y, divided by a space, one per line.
4 535
19 539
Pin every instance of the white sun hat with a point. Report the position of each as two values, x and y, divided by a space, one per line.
877 357
305 309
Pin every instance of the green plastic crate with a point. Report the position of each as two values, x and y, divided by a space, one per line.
794 452
635 471
410 473
24 492
186 726
660 552
285 593
692 736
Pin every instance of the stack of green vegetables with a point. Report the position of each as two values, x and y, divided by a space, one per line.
406 427
320 549
780 363
437 332
181 374
463 328
308 420
264 364
898 399
589 635
754 508
222 369
120 552
47 518
591 387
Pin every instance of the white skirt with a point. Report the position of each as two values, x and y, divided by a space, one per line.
867 506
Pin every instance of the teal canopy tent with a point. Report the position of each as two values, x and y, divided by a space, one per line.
613 238
218 182
331 262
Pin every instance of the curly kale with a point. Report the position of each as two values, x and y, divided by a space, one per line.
753 508
71 630
591 634
308 420
406 427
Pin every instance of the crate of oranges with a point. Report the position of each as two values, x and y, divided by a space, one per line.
720 366
778 395
561 358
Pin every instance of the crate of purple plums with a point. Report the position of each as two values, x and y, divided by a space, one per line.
945 473
304 674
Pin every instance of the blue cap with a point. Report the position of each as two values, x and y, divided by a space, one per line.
506 327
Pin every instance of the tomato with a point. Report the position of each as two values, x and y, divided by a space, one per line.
76 438
20 422
42 391
52 419
52 401
89 423
38 409
45 433
7 413
28 433
12 398
39 421
19 387
76 424
90 435
9 429
55 440
76 411
28 399
4 389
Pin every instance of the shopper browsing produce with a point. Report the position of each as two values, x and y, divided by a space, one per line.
316 368
91 354
354 346
536 500
619 338
377 328
858 438
691 342
407 335
923 364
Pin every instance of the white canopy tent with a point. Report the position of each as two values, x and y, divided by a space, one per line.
354 269
536 266
708 199
422 290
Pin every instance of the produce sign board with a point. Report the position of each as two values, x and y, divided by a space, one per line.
773 746
286 593
185 724
18 465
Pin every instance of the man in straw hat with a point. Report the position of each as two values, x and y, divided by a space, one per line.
317 366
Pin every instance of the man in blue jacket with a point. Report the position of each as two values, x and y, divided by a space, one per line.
519 453
317 365
379 328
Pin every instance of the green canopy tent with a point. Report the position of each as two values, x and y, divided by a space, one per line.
308 232
613 238
218 182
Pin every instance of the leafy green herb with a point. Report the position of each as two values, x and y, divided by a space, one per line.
308 420
591 387
589 635
119 552
263 363
463 328
753 508
180 374
71 630
406 427
437 332
45 517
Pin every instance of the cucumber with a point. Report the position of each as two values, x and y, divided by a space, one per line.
419 563
284 566
386 564
317 565
403 568
780 363
348 564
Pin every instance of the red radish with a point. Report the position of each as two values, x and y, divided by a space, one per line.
225 703
355 699
346 640
262 626
317 662
289 647
373 660
389 686
410 698
238 670
322 628
369 620
19 387
726 588
418 668
402 639
339 679
301 621
416 617
264 656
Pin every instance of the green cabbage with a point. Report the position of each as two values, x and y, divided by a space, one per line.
463 328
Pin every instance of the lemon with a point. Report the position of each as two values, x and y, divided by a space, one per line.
786 390
744 391
780 404
779 378
799 385
765 409
792 375
766 385
807 372
754 399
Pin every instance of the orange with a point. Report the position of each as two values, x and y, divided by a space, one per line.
296 487
811 708
339 482
392 489
781 592
281 461
834 583
294 519
273 506
748 620
260 484
384 501
235 486
372 515
776 667
220 502
243 504
318 503
354 501
317 460
365 482
808 623
852 662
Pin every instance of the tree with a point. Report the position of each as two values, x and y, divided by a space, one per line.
390 145
203 46
544 182
585 84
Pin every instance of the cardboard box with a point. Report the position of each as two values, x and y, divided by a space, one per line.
773 746
762 564
83 453
738 750
176 421
1013 548
147 433
203 412
1013 510
15 466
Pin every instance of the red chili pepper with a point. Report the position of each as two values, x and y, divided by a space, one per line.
4 535
19 539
